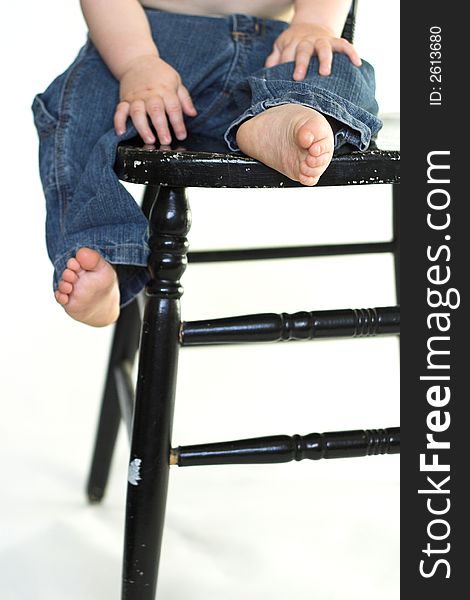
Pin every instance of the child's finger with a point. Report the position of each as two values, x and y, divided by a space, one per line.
325 56
288 53
175 114
139 118
344 46
120 117
302 60
274 58
186 101
156 110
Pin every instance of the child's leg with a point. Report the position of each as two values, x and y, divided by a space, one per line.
294 127
95 229
87 207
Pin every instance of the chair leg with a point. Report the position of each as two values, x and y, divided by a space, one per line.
124 348
153 416
396 236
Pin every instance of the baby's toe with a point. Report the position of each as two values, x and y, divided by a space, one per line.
320 147
61 298
73 265
317 161
308 171
65 287
307 180
305 137
69 275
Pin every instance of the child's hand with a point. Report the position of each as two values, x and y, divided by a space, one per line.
151 88
301 41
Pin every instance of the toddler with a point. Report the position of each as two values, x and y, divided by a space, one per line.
285 94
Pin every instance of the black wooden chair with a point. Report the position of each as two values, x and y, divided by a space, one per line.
158 335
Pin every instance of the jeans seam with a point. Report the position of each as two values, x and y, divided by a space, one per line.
63 188
222 94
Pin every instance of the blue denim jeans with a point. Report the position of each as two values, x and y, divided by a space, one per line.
220 60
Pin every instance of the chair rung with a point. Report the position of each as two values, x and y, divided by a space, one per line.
125 393
285 448
271 327
199 256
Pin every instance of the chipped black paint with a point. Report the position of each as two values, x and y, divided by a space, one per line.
203 162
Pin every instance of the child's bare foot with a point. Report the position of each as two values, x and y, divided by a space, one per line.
293 139
89 290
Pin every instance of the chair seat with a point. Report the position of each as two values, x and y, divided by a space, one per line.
205 162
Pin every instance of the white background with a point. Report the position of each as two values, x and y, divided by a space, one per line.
310 530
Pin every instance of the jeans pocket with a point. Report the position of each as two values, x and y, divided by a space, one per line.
44 121
46 125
